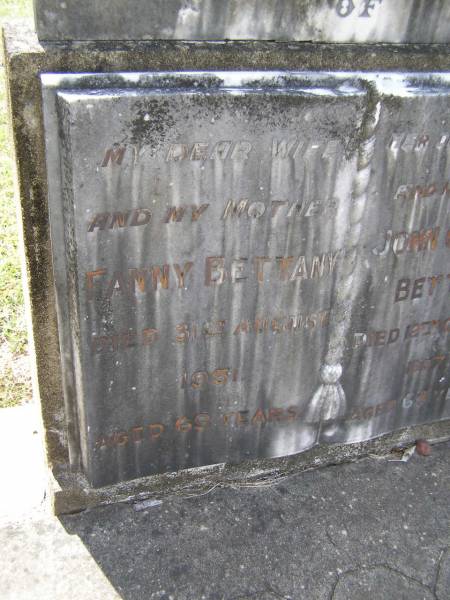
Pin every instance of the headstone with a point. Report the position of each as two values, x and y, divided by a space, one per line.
417 21
247 264
236 242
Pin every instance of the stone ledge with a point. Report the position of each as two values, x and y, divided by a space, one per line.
73 494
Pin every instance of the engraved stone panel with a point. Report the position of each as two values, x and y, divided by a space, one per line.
400 357
417 21
246 264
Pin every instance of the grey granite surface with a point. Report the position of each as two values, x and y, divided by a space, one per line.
414 21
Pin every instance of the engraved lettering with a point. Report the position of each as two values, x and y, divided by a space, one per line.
368 7
177 152
198 211
344 8
181 272
175 213
276 205
131 218
238 267
123 340
117 284
140 216
416 288
138 276
234 209
284 148
215 273
203 151
118 219
160 275
199 151
90 276
256 209
260 262
241 151
300 271
221 150
424 240
402 290
99 221
114 155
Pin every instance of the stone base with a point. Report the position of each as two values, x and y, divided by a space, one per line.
72 494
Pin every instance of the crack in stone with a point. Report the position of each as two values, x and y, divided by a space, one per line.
359 568
268 589
247 596
444 552
277 593
338 546
332 542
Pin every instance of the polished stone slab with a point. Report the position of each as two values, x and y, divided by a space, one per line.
247 264
395 21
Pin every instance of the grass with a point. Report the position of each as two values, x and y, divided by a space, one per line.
15 8
15 386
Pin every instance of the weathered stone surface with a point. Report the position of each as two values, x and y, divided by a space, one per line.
288 538
443 575
418 21
223 291
25 59
378 583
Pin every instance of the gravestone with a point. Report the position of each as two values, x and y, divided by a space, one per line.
414 21
248 260
247 263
